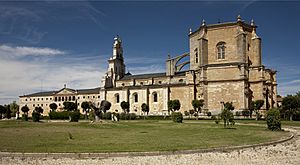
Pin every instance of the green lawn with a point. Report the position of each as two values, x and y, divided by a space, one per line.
126 136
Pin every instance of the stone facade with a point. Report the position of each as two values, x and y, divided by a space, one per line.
225 66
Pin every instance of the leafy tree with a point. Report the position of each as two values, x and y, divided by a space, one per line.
173 105
85 106
14 108
53 106
273 120
69 106
145 108
191 112
256 106
39 110
8 112
2 110
25 110
105 106
227 115
198 104
291 104
125 106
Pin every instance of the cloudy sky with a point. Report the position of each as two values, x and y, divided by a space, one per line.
46 44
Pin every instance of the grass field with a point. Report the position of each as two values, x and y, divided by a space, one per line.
129 136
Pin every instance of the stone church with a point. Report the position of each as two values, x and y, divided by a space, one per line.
224 66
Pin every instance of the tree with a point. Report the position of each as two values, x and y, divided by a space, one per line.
226 115
85 106
2 110
8 112
39 110
256 105
273 120
14 108
173 105
69 106
105 106
198 104
145 108
125 106
291 104
53 106
25 110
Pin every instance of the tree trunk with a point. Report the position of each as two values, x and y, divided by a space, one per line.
97 118
257 115
291 117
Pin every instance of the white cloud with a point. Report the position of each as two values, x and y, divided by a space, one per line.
26 51
45 72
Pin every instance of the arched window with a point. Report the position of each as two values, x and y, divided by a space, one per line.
135 97
154 97
117 96
221 50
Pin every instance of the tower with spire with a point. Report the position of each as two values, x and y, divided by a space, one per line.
116 66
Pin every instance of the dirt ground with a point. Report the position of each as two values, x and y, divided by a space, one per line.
283 153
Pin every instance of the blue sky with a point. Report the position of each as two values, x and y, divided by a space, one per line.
46 44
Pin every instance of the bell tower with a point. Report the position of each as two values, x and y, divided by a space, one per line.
116 66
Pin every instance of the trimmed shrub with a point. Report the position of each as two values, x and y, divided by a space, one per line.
132 116
64 115
25 117
237 113
74 116
273 120
107 116
35 116
246 113
177 117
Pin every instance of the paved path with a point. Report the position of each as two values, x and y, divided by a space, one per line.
281 154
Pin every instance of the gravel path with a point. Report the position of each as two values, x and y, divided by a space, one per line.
284 153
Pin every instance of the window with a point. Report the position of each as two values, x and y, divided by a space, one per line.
93 97
117 96
30 100
98 97
38 99
196 56
135 96
180 80
46 98
88 97
70 98
84 97
33 99
78 97
55 98
221 50
73 98
50 98
62 98
33 105
41 104
154 97
59 98
25 99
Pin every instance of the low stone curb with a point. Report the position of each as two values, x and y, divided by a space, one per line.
131 154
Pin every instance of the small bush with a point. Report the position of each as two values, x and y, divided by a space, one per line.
106 116
246 113
273 120
74 116
35 116
132 116
177 117
64 115
25 117
237 113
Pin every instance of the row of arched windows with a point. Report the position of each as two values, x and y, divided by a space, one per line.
136 97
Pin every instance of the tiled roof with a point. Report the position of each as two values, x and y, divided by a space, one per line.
52 93
143 76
